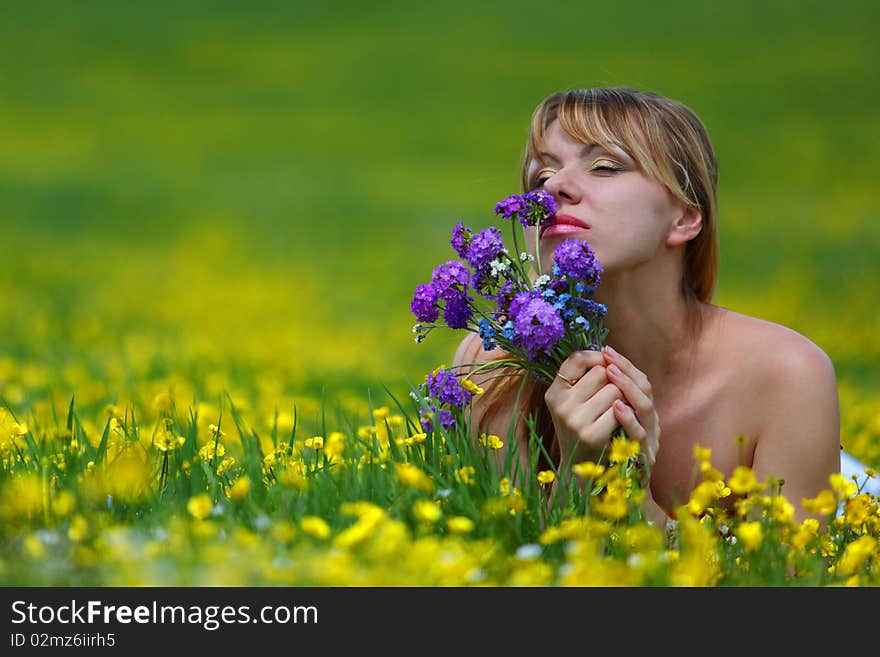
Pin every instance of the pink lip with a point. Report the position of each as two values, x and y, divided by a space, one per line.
563 224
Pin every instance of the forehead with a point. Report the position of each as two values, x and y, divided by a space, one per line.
557 144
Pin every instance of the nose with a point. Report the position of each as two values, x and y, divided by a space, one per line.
562 187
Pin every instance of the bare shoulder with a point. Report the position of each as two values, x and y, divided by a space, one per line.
780 353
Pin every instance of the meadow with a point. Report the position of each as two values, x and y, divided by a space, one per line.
212 224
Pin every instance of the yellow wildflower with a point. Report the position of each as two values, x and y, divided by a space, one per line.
239 489
702 454
588 470
200 506
316 442
751 534
844 487
856 554
491 441
78 529
381 413
460 525
546 476
470 386
416 439
825 503
315 526
622 449
426 511
209 450
410 475
465 475
743 481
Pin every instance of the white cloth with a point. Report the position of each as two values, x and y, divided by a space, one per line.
850 466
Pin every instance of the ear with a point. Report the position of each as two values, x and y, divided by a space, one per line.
686 227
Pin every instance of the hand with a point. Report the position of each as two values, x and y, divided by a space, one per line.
637 416
581 403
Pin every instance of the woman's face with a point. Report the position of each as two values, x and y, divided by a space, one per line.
603 198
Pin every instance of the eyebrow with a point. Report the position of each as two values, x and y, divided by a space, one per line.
586 150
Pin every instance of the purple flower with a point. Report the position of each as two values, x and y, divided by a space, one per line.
485 246
538 327
450 279
424 303
461 237
541 208
575 259
444 386
458 310
512 206
504 297
520 300
446 419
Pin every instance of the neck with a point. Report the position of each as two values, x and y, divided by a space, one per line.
648 322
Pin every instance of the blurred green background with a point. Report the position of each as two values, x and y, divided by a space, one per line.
244 195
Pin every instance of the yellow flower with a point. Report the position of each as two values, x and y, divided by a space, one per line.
622 449
842 486
381 413
317 442
472 387
335 444
743 481
546 476
410 475
315 526
806 532
426 511
167 442
751 535
214 429
240 489
709 473
781 510
825 503
857 510
416 439
200 506
64 503
504 486
163 402
78 530
608 505
460 525
465 475
702 454
209 450
702 497
856 553
491 441
588 470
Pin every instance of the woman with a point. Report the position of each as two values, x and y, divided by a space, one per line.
635 175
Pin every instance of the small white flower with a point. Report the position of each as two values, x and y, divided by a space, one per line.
528 551
542 280
526 257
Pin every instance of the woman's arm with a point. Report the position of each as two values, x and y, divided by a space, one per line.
799 438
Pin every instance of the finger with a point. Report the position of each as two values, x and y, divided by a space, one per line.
635 396
629 422
626 366
604 425
580 362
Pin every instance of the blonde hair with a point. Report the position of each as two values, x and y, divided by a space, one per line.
668 142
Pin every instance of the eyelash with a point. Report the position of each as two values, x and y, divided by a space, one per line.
539 182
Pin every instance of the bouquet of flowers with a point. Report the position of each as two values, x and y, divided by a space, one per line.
539 320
